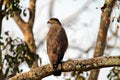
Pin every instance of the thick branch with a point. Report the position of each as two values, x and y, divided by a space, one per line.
26 28
20 22
72 65
32 12
104 25
102 34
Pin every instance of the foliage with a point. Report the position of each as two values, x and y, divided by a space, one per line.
18 52
114 74
12 6
118 19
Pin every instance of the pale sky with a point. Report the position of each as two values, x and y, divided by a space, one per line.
81 32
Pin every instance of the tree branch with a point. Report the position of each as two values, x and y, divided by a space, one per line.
32 12
104 25
51 8
20 22
72 65
102 34
26 28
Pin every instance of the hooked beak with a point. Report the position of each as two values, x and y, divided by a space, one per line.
48 22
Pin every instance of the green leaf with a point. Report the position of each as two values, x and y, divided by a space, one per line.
1 43
1 37
6 72
118 19
7 33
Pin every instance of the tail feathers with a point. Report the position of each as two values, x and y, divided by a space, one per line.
57 72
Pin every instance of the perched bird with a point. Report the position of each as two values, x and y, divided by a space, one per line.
57 44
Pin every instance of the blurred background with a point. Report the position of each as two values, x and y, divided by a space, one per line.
81 20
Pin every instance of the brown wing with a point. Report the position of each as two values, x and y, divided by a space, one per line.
57 44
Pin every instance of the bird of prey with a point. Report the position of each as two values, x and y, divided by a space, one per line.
57 44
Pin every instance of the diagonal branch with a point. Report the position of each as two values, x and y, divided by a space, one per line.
19 21
72 65
102 34
27 29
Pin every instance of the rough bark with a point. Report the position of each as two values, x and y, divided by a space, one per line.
72 65
102 34
27 29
